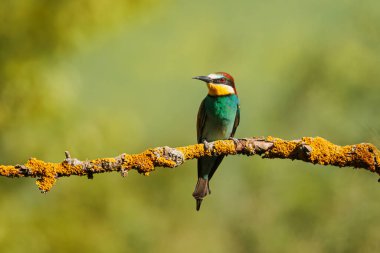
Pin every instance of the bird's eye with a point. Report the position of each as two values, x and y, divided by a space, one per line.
222 80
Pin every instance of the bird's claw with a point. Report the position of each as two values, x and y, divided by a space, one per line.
207 146
235 140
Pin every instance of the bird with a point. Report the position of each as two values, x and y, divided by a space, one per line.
218 117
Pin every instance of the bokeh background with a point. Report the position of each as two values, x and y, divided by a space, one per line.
99 78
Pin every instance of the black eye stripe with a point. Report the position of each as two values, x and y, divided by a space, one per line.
220 80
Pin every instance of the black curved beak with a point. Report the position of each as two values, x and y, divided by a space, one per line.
203 78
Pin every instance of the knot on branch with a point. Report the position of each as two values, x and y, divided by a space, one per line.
71 161
120 161
174 155
302 151
168 157
253 146
87 167
25 171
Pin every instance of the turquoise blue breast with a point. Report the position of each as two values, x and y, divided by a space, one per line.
220 116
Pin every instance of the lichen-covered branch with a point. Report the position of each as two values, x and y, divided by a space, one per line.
314 150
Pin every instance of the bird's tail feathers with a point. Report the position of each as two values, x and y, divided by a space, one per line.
202 189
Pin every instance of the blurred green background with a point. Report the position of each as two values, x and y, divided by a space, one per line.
99 78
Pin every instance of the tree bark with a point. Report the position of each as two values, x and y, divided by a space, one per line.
313 150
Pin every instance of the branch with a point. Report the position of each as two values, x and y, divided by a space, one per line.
313 150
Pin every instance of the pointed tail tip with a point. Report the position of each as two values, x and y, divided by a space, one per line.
199 202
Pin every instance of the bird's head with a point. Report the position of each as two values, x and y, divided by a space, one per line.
219 84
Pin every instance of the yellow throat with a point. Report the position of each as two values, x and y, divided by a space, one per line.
219 89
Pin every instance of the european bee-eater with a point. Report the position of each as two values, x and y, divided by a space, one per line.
218 118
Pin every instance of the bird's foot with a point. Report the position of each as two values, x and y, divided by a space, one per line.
236 141
208 147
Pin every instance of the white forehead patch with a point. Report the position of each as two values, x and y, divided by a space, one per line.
215 76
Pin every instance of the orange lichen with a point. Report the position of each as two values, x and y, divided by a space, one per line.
103 160
281 148
368 153
65 169
45 183
39 167
222 147
143 162
323 151
225 147
9 171
359 155
163 162
46 172
315 150
192 151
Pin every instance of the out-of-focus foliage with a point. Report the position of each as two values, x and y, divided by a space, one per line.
104 77
34 37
